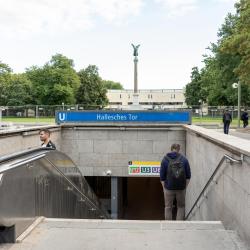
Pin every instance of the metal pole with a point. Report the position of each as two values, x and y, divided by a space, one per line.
239 102
114 197
36 113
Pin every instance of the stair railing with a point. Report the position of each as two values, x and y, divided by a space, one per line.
225 157
42 154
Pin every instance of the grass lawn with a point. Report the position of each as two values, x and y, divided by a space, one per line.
217 120
207 119
50 120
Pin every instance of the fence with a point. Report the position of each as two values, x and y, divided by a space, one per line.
48 111
36 111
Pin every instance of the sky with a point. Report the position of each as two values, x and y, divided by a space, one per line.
173 35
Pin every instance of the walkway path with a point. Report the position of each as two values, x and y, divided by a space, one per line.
241 133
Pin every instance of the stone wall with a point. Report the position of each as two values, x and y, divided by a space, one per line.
98 149
227 200
16 140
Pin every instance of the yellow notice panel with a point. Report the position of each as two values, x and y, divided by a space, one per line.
144 168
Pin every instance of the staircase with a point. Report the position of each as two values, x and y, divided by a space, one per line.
81 234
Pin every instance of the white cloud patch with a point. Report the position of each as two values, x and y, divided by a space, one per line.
178 7
116 9
25 16
225 1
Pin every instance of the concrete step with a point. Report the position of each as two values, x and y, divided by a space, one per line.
67 234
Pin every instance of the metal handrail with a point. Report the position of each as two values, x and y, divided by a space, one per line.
211 178
23 153
40 156
20 163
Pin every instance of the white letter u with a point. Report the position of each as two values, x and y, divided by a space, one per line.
61 116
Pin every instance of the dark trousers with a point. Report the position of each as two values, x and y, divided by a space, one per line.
226 127
245 123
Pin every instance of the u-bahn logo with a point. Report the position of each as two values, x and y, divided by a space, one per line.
61 116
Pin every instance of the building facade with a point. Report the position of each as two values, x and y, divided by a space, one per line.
148 98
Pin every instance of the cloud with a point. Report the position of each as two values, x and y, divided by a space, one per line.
225 1
178 7
116 9
25 16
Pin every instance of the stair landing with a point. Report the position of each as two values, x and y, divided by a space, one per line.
65 234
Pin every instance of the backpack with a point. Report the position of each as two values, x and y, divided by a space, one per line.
176 174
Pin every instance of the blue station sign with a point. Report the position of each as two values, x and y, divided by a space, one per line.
182 117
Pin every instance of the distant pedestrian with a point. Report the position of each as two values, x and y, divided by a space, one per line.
175 175
244 118
227 119
45 139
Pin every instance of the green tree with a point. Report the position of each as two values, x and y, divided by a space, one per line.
193 91
18 90
218 77
5 76
92 92
4 69
214 81
222 68
54 83
111 85
15 89
238 43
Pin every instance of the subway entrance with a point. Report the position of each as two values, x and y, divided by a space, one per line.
134 198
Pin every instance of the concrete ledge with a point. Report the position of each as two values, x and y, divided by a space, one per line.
30 229
232 143
135 224
28 130
122 126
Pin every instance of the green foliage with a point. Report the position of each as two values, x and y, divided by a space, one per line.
60 61
92 92
15 89
229 61
111 85
18 90
5 75
238 44
54 83
193 92
4 69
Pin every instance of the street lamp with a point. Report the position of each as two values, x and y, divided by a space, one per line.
235 86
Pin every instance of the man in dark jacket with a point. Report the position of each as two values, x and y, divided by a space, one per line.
244 118
175 175
45 138
227 119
